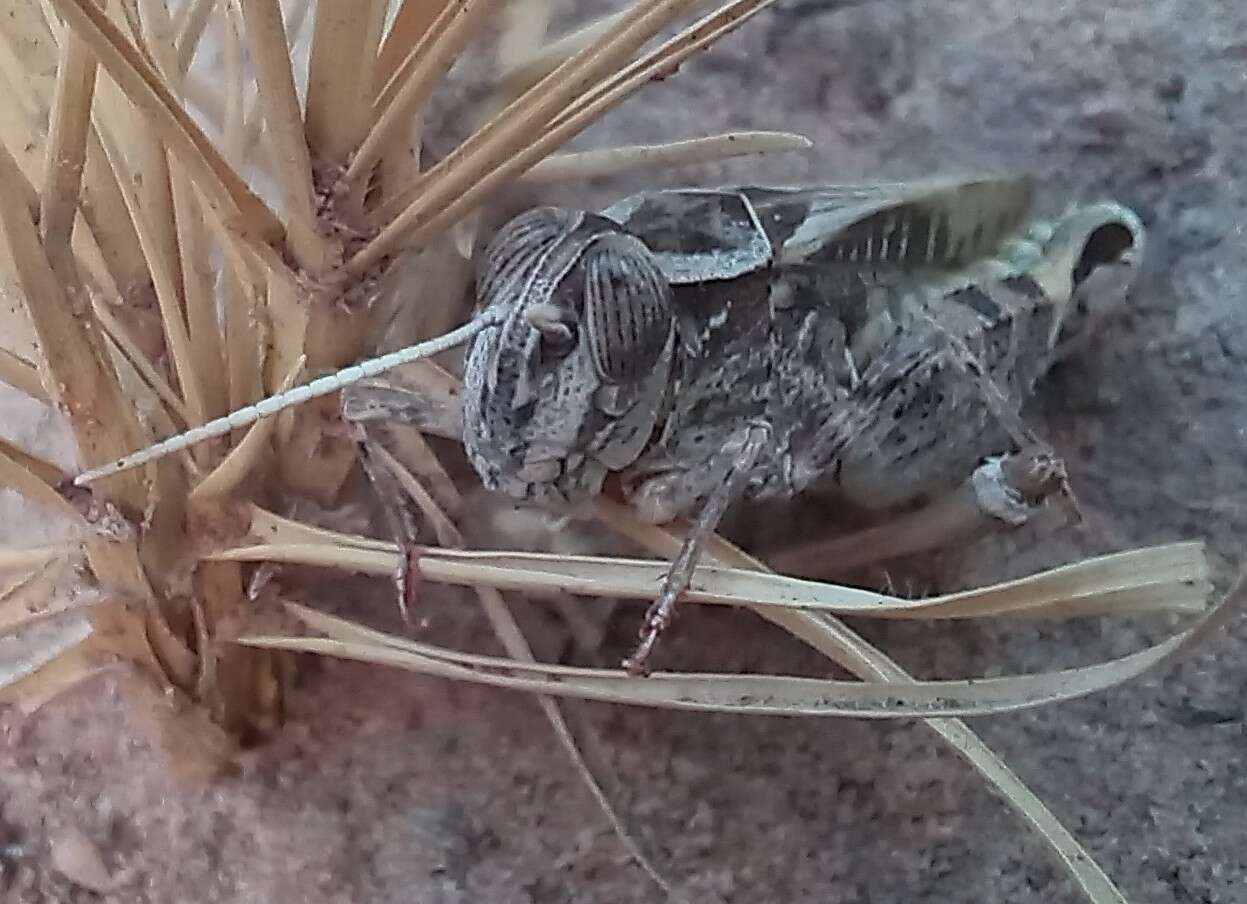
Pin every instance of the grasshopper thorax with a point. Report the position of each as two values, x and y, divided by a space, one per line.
569 383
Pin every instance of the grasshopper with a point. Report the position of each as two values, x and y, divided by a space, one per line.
712 345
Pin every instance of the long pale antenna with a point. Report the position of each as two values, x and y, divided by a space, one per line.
321 386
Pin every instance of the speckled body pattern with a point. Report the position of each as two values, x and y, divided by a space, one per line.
844 318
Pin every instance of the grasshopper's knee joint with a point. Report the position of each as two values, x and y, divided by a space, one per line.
1010 488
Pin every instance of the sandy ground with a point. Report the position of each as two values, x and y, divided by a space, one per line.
387 787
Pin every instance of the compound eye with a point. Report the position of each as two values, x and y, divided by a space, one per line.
628 315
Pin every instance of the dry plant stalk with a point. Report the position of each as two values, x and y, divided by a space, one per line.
113 201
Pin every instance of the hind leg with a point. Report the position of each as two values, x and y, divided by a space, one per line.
1003 492
931 429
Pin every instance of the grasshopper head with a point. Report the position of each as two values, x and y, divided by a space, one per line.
1088 267
569 384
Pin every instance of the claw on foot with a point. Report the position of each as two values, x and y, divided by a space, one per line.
655 623
408 580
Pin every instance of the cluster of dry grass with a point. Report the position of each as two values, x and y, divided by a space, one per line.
186 241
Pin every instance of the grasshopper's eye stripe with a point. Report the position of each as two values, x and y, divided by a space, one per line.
612 323
627 308
518 249
522 267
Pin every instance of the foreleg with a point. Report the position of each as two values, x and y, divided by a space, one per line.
726 491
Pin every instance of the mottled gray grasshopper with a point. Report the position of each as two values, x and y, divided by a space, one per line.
708 345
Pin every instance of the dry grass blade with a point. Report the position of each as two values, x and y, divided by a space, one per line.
835 640
345 37
278 530
245 456
19 373
13 625
1172 578
14 598
190 316
443 526
67 145
777 694
523 74
201 369
78 374
522 31
138 389
188 26
34 557
46 668
143 173
39 468
27 46
413 19
62 647
283 117
503 147
758 694
76 369
597 60
1181 569
287 318
245 337
199 301
115 235
399 102
661 62
506 155
23 606
320 552
175 407
226 193
96 270
165 268
233 121
614 161
35 480
14 121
